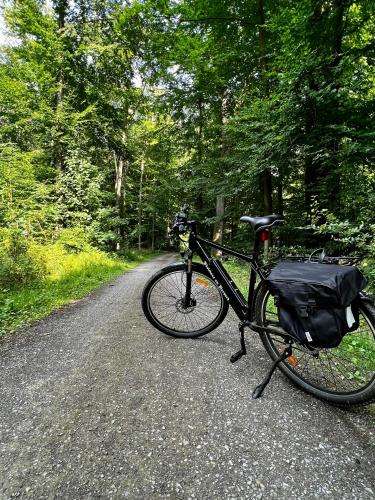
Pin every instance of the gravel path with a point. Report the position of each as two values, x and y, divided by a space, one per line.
95 403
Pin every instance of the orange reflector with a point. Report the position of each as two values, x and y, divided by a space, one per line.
201 282
293 360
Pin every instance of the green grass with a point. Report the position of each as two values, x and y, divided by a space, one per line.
240 273
238 270
70 277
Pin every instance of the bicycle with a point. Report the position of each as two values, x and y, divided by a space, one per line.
191 299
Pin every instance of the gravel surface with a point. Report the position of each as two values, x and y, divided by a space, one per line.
95 403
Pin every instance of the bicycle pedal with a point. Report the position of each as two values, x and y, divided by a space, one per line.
235 357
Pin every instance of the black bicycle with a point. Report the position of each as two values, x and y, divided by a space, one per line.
190 299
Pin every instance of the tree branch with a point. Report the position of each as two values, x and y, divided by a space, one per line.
209 19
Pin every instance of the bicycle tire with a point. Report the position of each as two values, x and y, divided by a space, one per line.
166 287
352 363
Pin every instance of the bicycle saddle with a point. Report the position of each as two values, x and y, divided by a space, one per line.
264 222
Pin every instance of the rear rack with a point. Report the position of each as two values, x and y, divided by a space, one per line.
343 260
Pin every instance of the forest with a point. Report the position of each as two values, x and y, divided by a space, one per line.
113 113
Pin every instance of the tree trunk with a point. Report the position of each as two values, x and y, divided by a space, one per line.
219 224
140 205
199 203
266 178
235 218
121 171
267 202
262 34
61 8
220 206
153 232
311 187
266 175
316 173
119 180
280 199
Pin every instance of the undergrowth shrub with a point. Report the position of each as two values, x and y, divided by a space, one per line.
23 260
73 240
350 238
20 260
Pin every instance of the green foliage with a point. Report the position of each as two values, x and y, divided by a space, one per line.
80 191
25 201
114 113
347 238
67 277
20 262
103 231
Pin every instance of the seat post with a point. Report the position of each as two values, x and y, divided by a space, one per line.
253 276
256 244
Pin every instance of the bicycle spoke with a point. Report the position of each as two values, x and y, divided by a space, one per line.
167 302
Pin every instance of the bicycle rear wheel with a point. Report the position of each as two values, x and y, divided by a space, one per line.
163 302
344 375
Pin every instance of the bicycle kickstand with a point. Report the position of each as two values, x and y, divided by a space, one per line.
260 388
236 356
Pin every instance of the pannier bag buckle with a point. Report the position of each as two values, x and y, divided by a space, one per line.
306 311
303 311
312 306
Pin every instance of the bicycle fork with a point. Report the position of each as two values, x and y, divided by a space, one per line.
189 274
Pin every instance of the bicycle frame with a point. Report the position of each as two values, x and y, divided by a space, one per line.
171 295
242 307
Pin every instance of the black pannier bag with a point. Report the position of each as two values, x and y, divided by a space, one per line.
317 303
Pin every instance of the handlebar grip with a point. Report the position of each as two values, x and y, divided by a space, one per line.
178 228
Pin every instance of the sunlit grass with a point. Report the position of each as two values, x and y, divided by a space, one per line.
240 273
69 277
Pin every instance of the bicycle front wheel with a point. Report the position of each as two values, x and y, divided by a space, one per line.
163 302
344 375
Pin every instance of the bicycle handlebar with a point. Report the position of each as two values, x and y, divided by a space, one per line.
181 223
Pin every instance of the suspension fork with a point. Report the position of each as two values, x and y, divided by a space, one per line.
189 274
